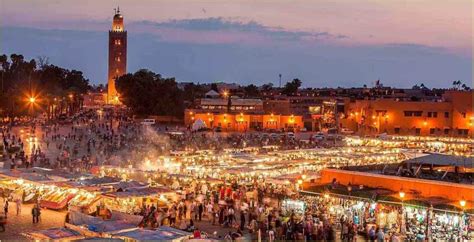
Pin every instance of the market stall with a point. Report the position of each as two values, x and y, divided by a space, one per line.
163 233
57 198
55 234
132 200
96 226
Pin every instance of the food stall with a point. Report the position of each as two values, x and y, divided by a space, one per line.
57 198
54 234
132 200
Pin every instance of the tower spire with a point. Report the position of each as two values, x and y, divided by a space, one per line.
118 9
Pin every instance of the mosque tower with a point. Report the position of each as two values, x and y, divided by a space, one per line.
117 56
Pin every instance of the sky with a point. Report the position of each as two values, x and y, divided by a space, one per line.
325 43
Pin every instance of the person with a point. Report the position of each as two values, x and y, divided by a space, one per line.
200 210
209 209
18 206
35 212
394 238
380 235
3 221
344 230
230 216
5 208
242 220
372 235
271 234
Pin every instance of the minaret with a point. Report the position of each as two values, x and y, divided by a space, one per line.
117 56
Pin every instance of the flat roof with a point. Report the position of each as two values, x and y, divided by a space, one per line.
442 160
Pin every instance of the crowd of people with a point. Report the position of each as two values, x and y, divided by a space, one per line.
95 138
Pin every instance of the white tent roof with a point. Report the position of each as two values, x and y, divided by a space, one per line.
212 93
198 124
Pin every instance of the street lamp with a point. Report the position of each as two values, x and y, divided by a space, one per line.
402 227
461 224
32 100
402 195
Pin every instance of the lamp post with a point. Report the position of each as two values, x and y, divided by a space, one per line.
461 223
279 75
31 103
300 184
402 224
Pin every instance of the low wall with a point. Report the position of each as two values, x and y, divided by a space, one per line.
426 188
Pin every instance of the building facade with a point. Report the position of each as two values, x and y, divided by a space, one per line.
239 114
451 115
117 56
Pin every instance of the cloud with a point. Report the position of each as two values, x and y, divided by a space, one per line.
317 65
226 25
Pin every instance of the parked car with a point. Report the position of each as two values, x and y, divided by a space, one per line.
319 136
346 131
290 135
148 121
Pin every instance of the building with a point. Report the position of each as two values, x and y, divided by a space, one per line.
319 113
239 114
450 115
117 56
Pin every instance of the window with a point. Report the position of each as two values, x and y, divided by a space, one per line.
432 131
413 113
446 114
463 114
417 131
463 131
118 42
432 114
397 130
446 131
117 58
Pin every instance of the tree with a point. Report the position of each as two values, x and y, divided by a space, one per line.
148 93
465 87
193 91
22 78
291 88
214 87
251 91
267 87
457 84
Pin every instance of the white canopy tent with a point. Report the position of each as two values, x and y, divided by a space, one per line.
198 124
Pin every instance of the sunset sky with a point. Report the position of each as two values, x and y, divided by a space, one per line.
324 43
